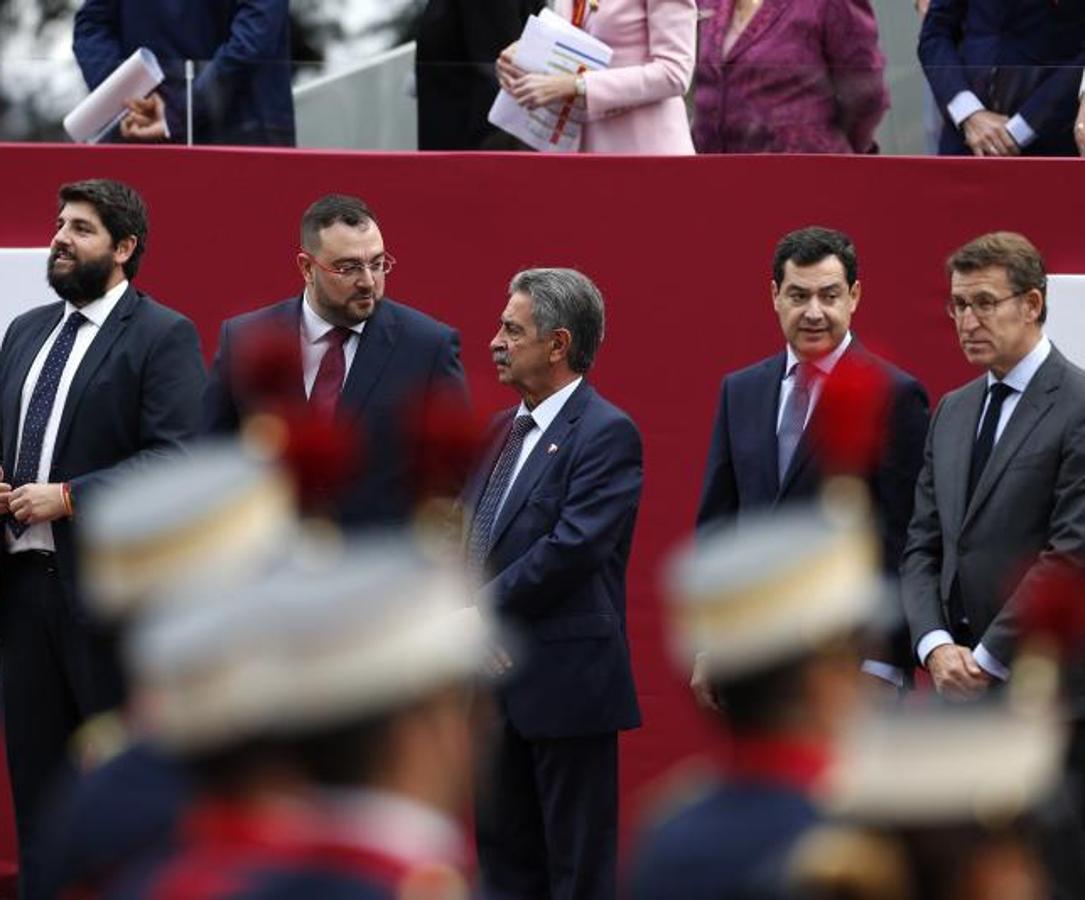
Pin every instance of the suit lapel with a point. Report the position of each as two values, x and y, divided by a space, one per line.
99 348
762 21
287 315
767 405
375 348
13 392
540 458
1034 404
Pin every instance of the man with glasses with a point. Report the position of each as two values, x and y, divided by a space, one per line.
1002 493
363 356
762 455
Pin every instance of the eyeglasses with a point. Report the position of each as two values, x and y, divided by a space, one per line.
380 266
982 308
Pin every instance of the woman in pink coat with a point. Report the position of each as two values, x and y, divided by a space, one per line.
781 76
636 105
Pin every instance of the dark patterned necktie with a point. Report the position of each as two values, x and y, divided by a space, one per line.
478 546
985 442
324 397
793 420
40 408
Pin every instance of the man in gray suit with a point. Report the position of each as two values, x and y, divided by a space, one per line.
1002 492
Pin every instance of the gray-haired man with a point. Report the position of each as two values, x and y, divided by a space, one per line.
551 515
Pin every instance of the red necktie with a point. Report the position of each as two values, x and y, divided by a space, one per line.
329 377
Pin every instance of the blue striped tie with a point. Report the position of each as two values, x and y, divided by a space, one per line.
793 420
478 546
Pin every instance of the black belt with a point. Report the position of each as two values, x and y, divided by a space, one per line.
43 560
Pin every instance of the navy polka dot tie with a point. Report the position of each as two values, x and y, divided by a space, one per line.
41 406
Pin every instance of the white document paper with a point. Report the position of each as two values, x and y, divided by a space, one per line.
22 272
1066 315
106 105
550 45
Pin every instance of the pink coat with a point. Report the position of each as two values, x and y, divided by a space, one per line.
636 105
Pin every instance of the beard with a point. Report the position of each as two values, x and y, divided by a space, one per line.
84 282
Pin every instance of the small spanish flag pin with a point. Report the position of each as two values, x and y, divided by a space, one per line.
552 449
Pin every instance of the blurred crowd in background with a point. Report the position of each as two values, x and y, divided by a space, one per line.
754 76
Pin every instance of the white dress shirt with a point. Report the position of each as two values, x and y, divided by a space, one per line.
1017 378
966 103
543 414
40 536
825 366
314 343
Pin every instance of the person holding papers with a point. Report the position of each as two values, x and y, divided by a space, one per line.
241 79
635 105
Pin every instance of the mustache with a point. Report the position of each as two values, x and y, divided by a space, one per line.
501 358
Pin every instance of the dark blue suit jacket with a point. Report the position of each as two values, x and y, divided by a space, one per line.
741 475
241 93
402 356
230 867
112 819
732 842
558 560
226 874
1018 56
135 396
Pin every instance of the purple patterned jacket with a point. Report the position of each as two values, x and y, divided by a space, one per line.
806 76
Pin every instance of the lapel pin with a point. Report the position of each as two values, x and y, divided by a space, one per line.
552 449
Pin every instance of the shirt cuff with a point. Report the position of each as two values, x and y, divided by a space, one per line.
884 671
962 106
931 641
1021 131
989 664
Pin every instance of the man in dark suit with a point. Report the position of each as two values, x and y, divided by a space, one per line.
363 356
90 388
241 49
551 514
1001 496
762 455
458 41
1005 74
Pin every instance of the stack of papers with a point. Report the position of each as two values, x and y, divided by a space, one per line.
551 46
97 115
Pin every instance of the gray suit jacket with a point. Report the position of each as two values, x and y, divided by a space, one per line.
1027 510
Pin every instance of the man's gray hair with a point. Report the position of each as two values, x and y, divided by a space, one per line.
564 298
